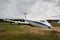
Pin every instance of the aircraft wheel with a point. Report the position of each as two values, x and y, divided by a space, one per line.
10 22
18 23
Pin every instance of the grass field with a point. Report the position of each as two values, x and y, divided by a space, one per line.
25 32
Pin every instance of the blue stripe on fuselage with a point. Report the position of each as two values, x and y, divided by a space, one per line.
39 23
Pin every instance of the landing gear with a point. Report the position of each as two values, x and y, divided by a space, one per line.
18 23
11 22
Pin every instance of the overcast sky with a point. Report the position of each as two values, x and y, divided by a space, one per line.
35 9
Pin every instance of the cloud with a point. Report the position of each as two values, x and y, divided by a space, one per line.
43 10
36 9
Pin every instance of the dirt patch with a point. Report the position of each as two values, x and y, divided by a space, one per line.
56 29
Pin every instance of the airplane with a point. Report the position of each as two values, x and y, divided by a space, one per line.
41 23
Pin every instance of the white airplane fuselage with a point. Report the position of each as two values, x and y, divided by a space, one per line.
42 23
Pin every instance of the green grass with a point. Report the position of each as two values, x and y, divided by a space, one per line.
25 32
55 25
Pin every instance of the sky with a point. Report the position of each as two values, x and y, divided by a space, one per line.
35 9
